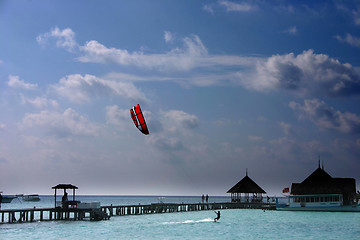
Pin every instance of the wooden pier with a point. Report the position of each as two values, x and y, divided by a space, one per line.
105 212
50 214
180 207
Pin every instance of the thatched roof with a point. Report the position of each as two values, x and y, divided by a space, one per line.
246 185
320 182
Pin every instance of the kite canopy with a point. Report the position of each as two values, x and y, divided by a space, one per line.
138 118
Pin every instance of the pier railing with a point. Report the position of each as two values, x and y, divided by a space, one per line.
105 212
179 207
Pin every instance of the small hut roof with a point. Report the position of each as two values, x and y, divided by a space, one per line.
64 186
246 185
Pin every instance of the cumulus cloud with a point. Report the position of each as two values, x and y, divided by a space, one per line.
306 74
237 7
177 118
168 36
164 143
172 130
327 117
64 38
40 102
80 89
286 128
62 125
353 41
16 82
117 116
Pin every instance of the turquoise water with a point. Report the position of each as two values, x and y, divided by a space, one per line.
234 224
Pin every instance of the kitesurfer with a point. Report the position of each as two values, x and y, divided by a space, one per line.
217 216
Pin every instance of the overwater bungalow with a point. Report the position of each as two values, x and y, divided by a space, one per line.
250 190
321 192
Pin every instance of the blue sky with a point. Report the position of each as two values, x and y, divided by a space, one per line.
225 86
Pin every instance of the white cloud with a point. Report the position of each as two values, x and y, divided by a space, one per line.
182 59
305 74
176 118
65 38
172 130
208 8
62 125
164 143
2 125
255 138
16 82
80 89
40 102
117 116
356 14
353 41
327 117
192 54
286 128
291 31
168 36
237 7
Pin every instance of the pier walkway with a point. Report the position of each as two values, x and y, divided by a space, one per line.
180 207
105 212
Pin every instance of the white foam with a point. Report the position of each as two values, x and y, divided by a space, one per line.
191 221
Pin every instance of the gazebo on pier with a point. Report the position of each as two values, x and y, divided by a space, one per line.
65 187
246 186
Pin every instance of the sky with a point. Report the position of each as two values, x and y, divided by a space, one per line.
225 86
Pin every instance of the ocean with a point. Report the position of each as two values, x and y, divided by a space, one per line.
233 224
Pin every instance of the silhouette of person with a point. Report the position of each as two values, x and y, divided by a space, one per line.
202 198
207 198
64 200
1 197
217 216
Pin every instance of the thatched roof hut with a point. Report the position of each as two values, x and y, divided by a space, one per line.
246 186
320 182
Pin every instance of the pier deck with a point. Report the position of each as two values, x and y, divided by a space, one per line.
105 212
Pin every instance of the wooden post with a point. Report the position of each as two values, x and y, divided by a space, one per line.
55 198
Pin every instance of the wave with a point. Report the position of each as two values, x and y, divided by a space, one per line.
191 221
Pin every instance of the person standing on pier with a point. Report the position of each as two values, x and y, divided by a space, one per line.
64 200
202 198
0 200
207 198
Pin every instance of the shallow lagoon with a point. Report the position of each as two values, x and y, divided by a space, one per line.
234 224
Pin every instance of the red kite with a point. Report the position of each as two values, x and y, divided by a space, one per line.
139 119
